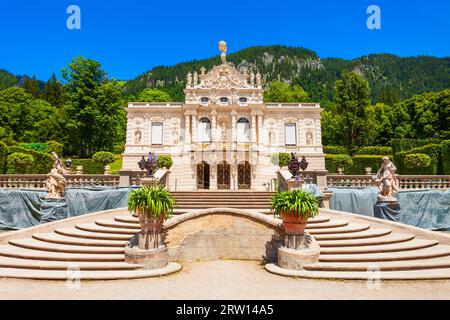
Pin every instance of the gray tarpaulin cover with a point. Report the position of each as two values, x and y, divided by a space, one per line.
21 208
429 209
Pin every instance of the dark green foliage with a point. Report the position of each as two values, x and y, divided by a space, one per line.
154 95
104 157
19 163
432 150
90 166
280 159
375 150
54 92
164 161
54 146
359 163
3 155
31 86
399 145
42 161
417 161
39 147
334 150
445 157
7 80
283 92
342 160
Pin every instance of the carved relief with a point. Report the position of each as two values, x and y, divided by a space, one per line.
309 138
137 137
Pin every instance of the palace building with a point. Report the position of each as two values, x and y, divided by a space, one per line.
224 134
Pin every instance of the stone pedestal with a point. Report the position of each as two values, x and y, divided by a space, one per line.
53 209
294 184
150 182
150 259
298 250
326 198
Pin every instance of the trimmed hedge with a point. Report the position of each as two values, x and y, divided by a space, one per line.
360 162
335 150
445 157
400 145
374 150
39 147
342 160
48 147
3 156
19 163
90 166
42 161
432 150
164 161
104 157
417 161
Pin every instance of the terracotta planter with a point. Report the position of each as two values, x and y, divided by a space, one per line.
293 224
150 225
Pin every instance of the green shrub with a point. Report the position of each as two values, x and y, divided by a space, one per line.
335 150
342 160
280 159
360 162
417 161
432 150
54 146
90 166
445 157
400 145
19 163
104 157
3 156
164 161
375 150
39 147
42 161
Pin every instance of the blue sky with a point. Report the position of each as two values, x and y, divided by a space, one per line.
130 36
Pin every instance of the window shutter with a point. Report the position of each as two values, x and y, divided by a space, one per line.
157 133
290 134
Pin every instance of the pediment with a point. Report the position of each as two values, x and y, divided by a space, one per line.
224 76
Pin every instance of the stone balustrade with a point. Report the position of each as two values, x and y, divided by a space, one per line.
15 181
406 182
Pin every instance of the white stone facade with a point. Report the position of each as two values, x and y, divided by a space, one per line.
224 118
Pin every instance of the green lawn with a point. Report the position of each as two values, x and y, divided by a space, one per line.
116 165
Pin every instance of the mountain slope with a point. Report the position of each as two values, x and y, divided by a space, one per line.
389 76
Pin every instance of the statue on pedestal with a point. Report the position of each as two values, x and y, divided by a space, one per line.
223 49
386 180
56 182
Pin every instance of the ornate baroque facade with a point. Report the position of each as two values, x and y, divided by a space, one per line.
223 135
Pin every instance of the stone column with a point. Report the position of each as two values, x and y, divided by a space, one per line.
253 128
261 141
318 132
233 128
213 126
187 134
194 127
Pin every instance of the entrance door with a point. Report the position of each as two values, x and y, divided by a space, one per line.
203 175
223 175
244 175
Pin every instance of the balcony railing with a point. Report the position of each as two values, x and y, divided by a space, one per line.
13 181
406 182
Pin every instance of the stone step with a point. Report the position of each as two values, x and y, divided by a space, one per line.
34 244
433 263
390 238
92 227
115 224
431 274
61 239
22 253
7 262
326 225
390 247
77 233
126 218
353 227
433 252
366 234
223 205
87 275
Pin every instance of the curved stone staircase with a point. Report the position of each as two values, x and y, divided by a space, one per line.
350 249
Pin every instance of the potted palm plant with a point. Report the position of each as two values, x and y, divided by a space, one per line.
153 205
295 207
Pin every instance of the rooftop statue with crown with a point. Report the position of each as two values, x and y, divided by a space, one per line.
223 49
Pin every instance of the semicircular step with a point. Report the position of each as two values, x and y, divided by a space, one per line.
414 244
365 234
22 253
78 233
96 228
61 239
353 227
8 262
114 224
387 239
432 252
328 224
126 218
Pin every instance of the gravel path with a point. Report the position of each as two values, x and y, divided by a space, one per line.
223 280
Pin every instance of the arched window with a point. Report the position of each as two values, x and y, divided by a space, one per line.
204 130
243 130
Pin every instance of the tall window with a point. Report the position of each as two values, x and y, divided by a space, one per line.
243 130
157 133
204 130
290 134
